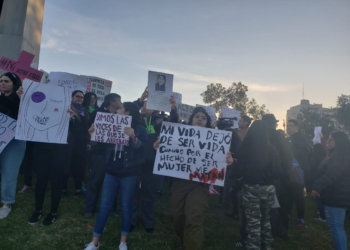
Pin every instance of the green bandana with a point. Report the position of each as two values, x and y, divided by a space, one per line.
91 109
149 127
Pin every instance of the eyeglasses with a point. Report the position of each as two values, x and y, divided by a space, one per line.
5 81
79 97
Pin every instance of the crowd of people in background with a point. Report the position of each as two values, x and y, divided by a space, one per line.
267 173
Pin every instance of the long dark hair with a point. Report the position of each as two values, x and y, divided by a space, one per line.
87 100
134 112
107 101
342 147
197 110
255 146
17 82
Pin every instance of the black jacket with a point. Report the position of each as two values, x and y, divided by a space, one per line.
265 175
9 105
333 182
301 150
285 156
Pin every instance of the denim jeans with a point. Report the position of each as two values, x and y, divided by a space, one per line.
127 187
95 181
335 219
10 161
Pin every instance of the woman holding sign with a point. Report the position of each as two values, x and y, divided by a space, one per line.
122 173
189 199
11 157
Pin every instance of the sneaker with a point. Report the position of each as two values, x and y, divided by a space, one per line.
83 187
5 211
35 218
25 189
88 215
320 219
123 246
49 219
64 193
79 194
240 243
300 223
92 246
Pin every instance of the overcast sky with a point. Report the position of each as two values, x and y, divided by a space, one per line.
272 46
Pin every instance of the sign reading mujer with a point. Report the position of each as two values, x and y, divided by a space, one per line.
193 153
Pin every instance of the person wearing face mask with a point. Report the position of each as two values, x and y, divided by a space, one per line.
78 140
90 102
332 186
112 102
146 194
122 173
189 199
12 155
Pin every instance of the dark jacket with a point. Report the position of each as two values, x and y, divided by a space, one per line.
78 134
333 182
264 175
127 163
153 126
302 152
285 155
9 105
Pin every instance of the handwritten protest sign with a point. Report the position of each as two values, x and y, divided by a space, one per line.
211 112
99 86
184 111
43 115
192 153
7 130
227 112
109 128
317 135
21 67
75 82
177 97
160 89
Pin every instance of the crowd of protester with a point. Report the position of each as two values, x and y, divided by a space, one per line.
267 173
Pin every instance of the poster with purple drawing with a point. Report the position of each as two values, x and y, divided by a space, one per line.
43 115
7 130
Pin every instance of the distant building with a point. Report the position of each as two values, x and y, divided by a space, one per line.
293 112
21 23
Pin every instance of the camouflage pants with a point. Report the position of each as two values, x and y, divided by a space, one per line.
257 202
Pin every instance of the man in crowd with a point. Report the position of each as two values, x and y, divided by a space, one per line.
243 125
301 151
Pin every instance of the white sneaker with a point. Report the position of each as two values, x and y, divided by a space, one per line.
91 246
123 246
4 212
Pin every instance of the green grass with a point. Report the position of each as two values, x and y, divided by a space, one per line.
71 231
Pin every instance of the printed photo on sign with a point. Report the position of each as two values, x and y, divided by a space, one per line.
177 97
233 114
43 115
101 87
109 128
75 82
193 153
7 130
160 90
184 111
211 112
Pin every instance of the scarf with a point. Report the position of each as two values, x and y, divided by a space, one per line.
78 108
